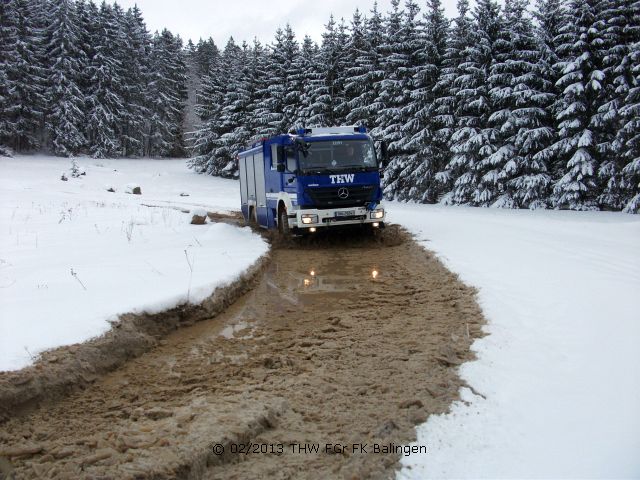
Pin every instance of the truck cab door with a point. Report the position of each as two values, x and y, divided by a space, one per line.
289 176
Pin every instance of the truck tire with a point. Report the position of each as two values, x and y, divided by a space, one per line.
283 222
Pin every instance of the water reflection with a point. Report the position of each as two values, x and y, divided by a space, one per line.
320 280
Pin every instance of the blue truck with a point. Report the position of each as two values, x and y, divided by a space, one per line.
311 179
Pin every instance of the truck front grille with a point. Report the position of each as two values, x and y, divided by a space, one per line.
330 197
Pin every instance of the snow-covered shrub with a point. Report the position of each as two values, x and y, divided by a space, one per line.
5 151
75 169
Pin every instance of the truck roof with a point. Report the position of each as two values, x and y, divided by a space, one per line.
310 132
313 134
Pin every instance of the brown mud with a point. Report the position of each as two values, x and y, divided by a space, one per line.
344 340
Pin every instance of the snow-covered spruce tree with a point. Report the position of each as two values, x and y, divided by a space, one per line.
235 112
24 102
104 100
499 149
65 117
206 53
404 187
293 82
430 153
39 10
327 90
389 87
167 93
190 48
259 76
387 123
283 92
88 31
550 15
337 72
583 94
402 50
514 177
472 141
209 103
529 181
366 73
262 110
318 111
136 75
212 139
446 100
629 134
619 32
307 74
8 41
356 69
261 118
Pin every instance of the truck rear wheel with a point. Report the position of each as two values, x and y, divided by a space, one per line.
283 222
253 217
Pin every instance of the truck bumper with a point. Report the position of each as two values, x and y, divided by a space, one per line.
305 219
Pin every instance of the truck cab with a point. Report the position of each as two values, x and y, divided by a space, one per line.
312 179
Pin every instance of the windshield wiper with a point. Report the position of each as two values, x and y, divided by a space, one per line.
361 168
320 171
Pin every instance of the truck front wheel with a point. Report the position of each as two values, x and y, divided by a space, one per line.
283 222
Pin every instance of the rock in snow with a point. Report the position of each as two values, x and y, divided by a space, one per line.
133 188
198 216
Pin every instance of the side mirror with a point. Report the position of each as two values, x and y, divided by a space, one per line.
385 154
302 146
280 167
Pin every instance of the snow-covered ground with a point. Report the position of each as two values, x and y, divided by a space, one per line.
559 372
73 255
560 368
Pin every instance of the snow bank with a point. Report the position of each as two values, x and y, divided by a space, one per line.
73 256
560 368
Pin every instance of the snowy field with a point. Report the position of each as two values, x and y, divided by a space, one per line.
73 255
557 378
560 368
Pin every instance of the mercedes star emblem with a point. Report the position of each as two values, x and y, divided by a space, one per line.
343 193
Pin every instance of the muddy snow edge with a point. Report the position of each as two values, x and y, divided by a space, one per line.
59 371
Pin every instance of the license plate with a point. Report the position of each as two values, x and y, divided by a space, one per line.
346 213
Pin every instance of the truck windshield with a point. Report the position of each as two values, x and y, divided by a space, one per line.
340 155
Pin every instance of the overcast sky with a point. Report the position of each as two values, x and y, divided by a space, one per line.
252 18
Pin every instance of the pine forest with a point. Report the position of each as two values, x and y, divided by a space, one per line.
511 104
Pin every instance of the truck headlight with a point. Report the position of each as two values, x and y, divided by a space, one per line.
308 219
379 213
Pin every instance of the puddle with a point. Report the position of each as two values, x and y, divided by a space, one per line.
338 276
306 280
231 331
311 280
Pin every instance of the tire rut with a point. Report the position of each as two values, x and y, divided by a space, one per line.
341 342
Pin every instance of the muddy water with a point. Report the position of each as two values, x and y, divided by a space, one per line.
339 344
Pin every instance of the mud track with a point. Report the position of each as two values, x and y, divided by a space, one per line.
345 341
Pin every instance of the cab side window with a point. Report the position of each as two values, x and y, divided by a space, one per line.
274 157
